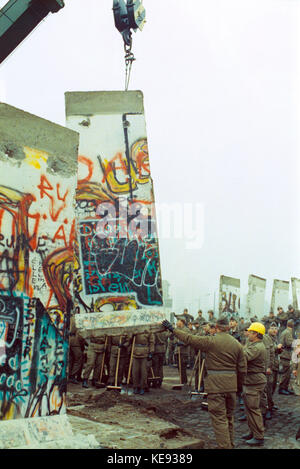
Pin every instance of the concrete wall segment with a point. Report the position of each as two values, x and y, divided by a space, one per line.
19 128
229 296
256 295
120 269
38 176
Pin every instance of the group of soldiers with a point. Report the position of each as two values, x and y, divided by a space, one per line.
136 360
243 361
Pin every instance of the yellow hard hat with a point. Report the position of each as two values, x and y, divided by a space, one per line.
257 327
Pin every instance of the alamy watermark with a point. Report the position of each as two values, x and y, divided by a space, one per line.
144 220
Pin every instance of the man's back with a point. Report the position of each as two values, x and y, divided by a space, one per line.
225 361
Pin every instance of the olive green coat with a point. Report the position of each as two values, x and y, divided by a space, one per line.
115 342
256 356
144 344
286 339
225 361
184 349
268 343
161 341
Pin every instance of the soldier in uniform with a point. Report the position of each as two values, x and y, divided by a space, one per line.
281 319
127 353
195 330
267 320
212 328
254 383
233 324
226 367
235 332
273 330
96 349
286 341
295 315
291 312
185 316
205 330
241 323
170 351
117 348
211 316
76 351
266 400
244 333
191 351
142 352
200 318
159 353
182 350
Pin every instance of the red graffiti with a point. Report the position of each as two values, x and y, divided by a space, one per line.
90 167
45 188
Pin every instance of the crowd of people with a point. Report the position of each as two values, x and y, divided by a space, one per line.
135 360
233 361
244 361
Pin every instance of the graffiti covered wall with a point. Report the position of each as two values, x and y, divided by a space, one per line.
256 296
118 266
280 295
229 296
38 165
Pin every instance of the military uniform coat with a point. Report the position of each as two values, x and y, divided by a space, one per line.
286 339
144 344
256 356
225 361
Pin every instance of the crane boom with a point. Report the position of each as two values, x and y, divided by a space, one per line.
19 17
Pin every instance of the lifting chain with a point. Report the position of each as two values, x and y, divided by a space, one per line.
129 59
128 15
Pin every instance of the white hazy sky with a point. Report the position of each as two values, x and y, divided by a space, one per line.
221 86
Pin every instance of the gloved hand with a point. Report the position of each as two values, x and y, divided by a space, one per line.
167 325
149 356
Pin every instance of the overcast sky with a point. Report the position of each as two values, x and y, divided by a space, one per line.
221 86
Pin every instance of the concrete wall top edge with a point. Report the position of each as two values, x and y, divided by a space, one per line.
235 282
19 128
284 283
103 102
257 277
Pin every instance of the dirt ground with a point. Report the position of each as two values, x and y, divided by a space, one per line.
167 418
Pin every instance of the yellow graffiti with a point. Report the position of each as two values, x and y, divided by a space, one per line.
10 413
115 167
117 303
140 161
134 172
35 157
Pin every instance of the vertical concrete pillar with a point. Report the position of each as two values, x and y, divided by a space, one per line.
229 296
295 282
118 267
38 173
280 295
256 296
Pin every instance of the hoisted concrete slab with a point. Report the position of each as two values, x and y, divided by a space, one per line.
118 275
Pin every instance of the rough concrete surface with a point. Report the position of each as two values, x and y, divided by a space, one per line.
19 128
